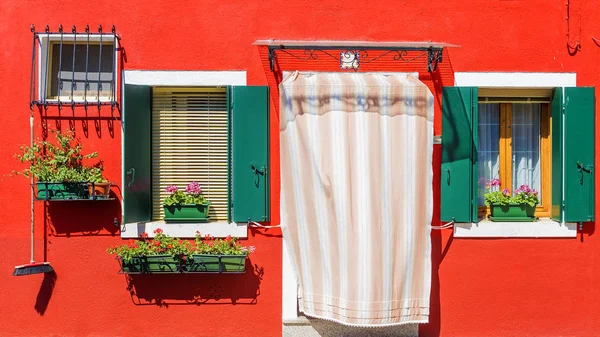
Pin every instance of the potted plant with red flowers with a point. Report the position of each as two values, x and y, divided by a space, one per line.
219 255
186 206
519 206
162 254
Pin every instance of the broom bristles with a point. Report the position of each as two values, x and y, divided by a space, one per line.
33 268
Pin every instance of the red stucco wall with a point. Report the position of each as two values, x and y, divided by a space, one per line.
490 287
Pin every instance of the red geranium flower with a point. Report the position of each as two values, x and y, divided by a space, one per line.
144 235
156 243
207 237
228 238
169 246
158 231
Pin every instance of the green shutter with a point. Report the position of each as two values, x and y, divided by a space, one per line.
137 191
250 153
579 154
459 154
557 152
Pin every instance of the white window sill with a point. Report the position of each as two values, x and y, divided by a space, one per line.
185 230
542 228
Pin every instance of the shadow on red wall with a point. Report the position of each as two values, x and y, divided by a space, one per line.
84 218
196 289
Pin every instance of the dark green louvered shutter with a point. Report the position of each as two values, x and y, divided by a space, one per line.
137 192
250 153
459 154
573 154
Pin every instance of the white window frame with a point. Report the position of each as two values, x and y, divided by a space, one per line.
526 80
42 49
164 78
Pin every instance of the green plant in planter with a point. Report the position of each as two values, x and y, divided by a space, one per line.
168 254
186 205
520 206
59 167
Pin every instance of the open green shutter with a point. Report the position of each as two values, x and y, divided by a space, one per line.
459 154
250 153
579 154
137 191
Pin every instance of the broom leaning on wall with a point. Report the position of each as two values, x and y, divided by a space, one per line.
32 267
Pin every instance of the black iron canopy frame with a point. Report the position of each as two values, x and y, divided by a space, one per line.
351 56
74 37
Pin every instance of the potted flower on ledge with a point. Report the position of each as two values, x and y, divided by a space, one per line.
519 206
187 205
59 169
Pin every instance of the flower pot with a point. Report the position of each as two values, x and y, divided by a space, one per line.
162 263
99 190
62 191
512 212
187 213
217 263
135 265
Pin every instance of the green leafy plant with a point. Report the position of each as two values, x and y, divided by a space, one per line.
522 195
192 195
60 162
228 246
163 244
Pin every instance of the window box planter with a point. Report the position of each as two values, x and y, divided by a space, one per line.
99 190
512 212
203 263
62 191
187 213
135 265
162 264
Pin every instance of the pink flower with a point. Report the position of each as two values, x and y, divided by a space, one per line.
495 182
252 249
171 189
506 191
193 188
523 189
534 192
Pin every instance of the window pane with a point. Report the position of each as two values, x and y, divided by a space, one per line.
78 77
526 145
489 142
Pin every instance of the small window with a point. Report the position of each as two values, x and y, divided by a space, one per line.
89 77
514 146
190 135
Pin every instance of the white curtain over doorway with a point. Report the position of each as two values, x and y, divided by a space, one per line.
356 194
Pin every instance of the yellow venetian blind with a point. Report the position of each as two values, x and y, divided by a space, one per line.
190 143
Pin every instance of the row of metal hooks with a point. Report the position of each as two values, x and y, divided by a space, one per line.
43 100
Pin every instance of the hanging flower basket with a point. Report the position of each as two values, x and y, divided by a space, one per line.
61 191
162 264
165 254
217 263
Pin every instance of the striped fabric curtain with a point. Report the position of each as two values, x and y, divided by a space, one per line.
356 194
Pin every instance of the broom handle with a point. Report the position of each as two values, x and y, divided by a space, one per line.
32 259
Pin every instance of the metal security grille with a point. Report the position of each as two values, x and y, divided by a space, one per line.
190 143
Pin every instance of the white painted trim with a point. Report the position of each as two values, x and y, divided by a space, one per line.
184 78
514 80
543 228
188 79
185 230
289 284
